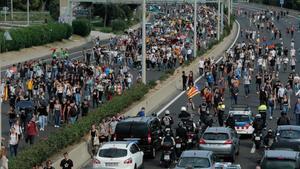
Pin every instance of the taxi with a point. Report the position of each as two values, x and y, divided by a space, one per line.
243 119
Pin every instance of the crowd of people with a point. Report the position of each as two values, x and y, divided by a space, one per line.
39 93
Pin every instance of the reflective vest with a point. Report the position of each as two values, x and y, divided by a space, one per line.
221 107
262 108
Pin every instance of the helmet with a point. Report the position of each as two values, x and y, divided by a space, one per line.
168 130
167 112
258 116
270 131
183 108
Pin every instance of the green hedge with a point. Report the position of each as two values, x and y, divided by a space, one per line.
71 134
34 36
81 27
118 25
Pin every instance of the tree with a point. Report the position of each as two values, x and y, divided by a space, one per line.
22 4
54 9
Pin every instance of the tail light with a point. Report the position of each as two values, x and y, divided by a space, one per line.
95 161
228 142
128 161
149 138
202 141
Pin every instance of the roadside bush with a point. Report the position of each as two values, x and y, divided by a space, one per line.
118 25
34 36
81 27
71 134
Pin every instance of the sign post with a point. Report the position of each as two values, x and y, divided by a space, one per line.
5 9
281 3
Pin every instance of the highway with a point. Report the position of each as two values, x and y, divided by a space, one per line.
247 157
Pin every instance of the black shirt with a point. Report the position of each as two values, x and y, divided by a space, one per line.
66 164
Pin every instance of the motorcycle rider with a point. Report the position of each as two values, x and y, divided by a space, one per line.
230 122
181 131
168 141
183 113
283 119
167 120
221 109
258 123
262 110
269 138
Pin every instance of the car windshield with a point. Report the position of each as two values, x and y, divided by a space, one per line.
279 164
241 118
289 134
112 153
194 162
215 136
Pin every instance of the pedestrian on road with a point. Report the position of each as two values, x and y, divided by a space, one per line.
271 106
32 131
184 81
283 119
230 122
221 109
234 94
247 83
297 111
13 142
66 163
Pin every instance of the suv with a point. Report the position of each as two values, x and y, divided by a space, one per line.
222 141
145 130
119 155
288 133
279 159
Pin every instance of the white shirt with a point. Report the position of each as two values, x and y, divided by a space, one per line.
293 52
281 92
201 63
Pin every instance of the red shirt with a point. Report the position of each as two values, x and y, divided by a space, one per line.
31 128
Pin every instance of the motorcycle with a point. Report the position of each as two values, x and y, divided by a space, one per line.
167 153
179 146
257 138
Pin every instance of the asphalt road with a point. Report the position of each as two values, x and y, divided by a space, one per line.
246 159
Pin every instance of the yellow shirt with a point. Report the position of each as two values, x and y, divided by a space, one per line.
30 85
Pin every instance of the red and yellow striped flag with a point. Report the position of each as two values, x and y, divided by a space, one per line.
193 91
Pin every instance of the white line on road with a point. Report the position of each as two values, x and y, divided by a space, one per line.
181 93
253 149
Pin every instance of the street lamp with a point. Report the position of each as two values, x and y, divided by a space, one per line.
195 28
28 12
144 43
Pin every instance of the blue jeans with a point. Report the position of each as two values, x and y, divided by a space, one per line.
42 121
57 118
247 89
271 110
297 119
285 108
73 119
13 150
77 98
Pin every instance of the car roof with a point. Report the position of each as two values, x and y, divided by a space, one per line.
145 119
217 130
288 127
285 145
240 106
281 154
117 144
196 153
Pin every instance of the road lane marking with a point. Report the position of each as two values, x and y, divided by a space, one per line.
199 78
253 149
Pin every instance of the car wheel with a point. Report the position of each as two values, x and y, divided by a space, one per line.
153 153
142 166
232 158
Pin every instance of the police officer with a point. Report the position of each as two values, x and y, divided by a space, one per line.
262 110
221 109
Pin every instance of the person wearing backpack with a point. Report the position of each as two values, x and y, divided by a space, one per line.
167 120
283 119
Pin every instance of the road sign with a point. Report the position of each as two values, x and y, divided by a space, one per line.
7 35
281 2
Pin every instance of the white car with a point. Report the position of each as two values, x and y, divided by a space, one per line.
243 119
119 155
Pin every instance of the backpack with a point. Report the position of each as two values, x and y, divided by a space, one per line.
167 120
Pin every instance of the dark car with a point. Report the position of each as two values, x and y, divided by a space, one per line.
145 130
288 133
280 159
283 145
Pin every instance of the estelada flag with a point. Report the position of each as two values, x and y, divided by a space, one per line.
193 91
